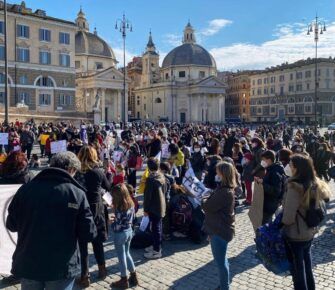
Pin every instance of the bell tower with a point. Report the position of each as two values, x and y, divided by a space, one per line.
150 64
189 35
81 21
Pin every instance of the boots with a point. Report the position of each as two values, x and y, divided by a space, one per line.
83 281
121 284
102 272
133 280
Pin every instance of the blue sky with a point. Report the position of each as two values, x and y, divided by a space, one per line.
241 34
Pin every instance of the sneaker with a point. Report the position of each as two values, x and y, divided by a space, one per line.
153 255
149 249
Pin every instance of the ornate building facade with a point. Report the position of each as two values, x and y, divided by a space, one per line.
41 64
134 73
287 92
99 83
184 89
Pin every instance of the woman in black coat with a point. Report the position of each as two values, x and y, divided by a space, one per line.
96 183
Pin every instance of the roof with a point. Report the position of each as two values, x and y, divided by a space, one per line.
91 44
189 54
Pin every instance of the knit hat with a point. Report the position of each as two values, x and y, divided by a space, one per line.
248 156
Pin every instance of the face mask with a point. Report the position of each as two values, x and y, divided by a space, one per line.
288 170
244 161
254 145
218 178
196 150
264 164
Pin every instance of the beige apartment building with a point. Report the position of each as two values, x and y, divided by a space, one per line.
287 92
41 61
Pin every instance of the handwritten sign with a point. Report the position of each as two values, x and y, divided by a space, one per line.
117 156
7 239
3 138
58 146
165 151
194 185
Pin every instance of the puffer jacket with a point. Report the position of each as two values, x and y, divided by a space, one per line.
295 228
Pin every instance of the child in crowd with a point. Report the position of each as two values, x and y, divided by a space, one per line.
247 176
119 174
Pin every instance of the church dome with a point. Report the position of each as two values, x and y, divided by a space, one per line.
189 54
91 44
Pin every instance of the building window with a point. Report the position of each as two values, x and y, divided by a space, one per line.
299 75
44 82
291 109
44 100
24 98
265 81
145 107
64 38
99 65
299 88
182 74
259 81
308 108
23 54
281 78
64 59
273 80
2 27
2 78
202 74
45 57
272 90
259 92
45 35
273 110
2 52
307 86
22 31
291 88
158 100
138 102
308 74
291 77
23 80
265 91
77 63
166 76
65 100
281 90
64 83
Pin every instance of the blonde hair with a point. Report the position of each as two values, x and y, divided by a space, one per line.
88 157
228 173
319 191
122 200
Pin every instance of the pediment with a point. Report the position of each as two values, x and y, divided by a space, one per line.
110 74
212 81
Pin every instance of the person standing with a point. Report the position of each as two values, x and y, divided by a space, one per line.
124 214
302 189
95 181
50 214
154 206
154 145
219 221
27 139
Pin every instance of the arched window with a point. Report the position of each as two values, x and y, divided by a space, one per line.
45 82
308 99
158 100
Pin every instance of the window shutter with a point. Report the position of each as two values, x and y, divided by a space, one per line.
48 99
60 37
41 34
41 57
28 55
40 99
27 31
68 60
18 34
48 35
59 100
49 57
60 59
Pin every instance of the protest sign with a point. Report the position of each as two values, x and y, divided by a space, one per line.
7 239
194 185
165 151
58 146
117 156
3 138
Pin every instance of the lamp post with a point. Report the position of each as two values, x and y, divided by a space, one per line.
6 63
318 27
123 25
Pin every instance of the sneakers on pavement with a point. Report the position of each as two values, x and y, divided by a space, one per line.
153 255
149 249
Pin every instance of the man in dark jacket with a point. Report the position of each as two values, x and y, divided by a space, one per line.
27 139
154 206
50 214
273 184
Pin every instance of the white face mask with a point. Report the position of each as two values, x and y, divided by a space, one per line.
264 164
196 150
254 145
218 178
288 170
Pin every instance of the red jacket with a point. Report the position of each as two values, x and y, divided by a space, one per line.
118 179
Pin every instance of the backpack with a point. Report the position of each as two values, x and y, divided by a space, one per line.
314 215
181 213
271 248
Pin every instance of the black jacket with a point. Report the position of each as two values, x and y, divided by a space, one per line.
273 184
50 214
198 162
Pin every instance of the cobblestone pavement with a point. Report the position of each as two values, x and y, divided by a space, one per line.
188 266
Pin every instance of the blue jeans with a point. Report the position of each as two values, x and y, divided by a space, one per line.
122 245
66 284
156 231
219 250
300 258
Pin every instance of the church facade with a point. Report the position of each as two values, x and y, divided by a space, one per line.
184 89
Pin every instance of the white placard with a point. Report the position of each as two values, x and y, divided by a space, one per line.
194 185
7 239
107 197
58 146
117 156
3 138
144 223
165 151
118 132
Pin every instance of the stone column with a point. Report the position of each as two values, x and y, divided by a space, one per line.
103 105
190 107
119 106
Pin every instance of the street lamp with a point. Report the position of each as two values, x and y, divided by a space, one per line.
6 63
318 27
123 25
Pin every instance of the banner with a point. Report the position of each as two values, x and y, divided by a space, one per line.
58 146
256 210
3 138
7 238
194 185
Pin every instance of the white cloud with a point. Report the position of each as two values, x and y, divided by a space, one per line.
118 51
214 26
290 44
173 39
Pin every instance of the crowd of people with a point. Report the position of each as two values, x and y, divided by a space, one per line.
64 204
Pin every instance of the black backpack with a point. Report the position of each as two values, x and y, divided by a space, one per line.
314 215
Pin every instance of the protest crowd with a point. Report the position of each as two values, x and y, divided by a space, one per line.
192 179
